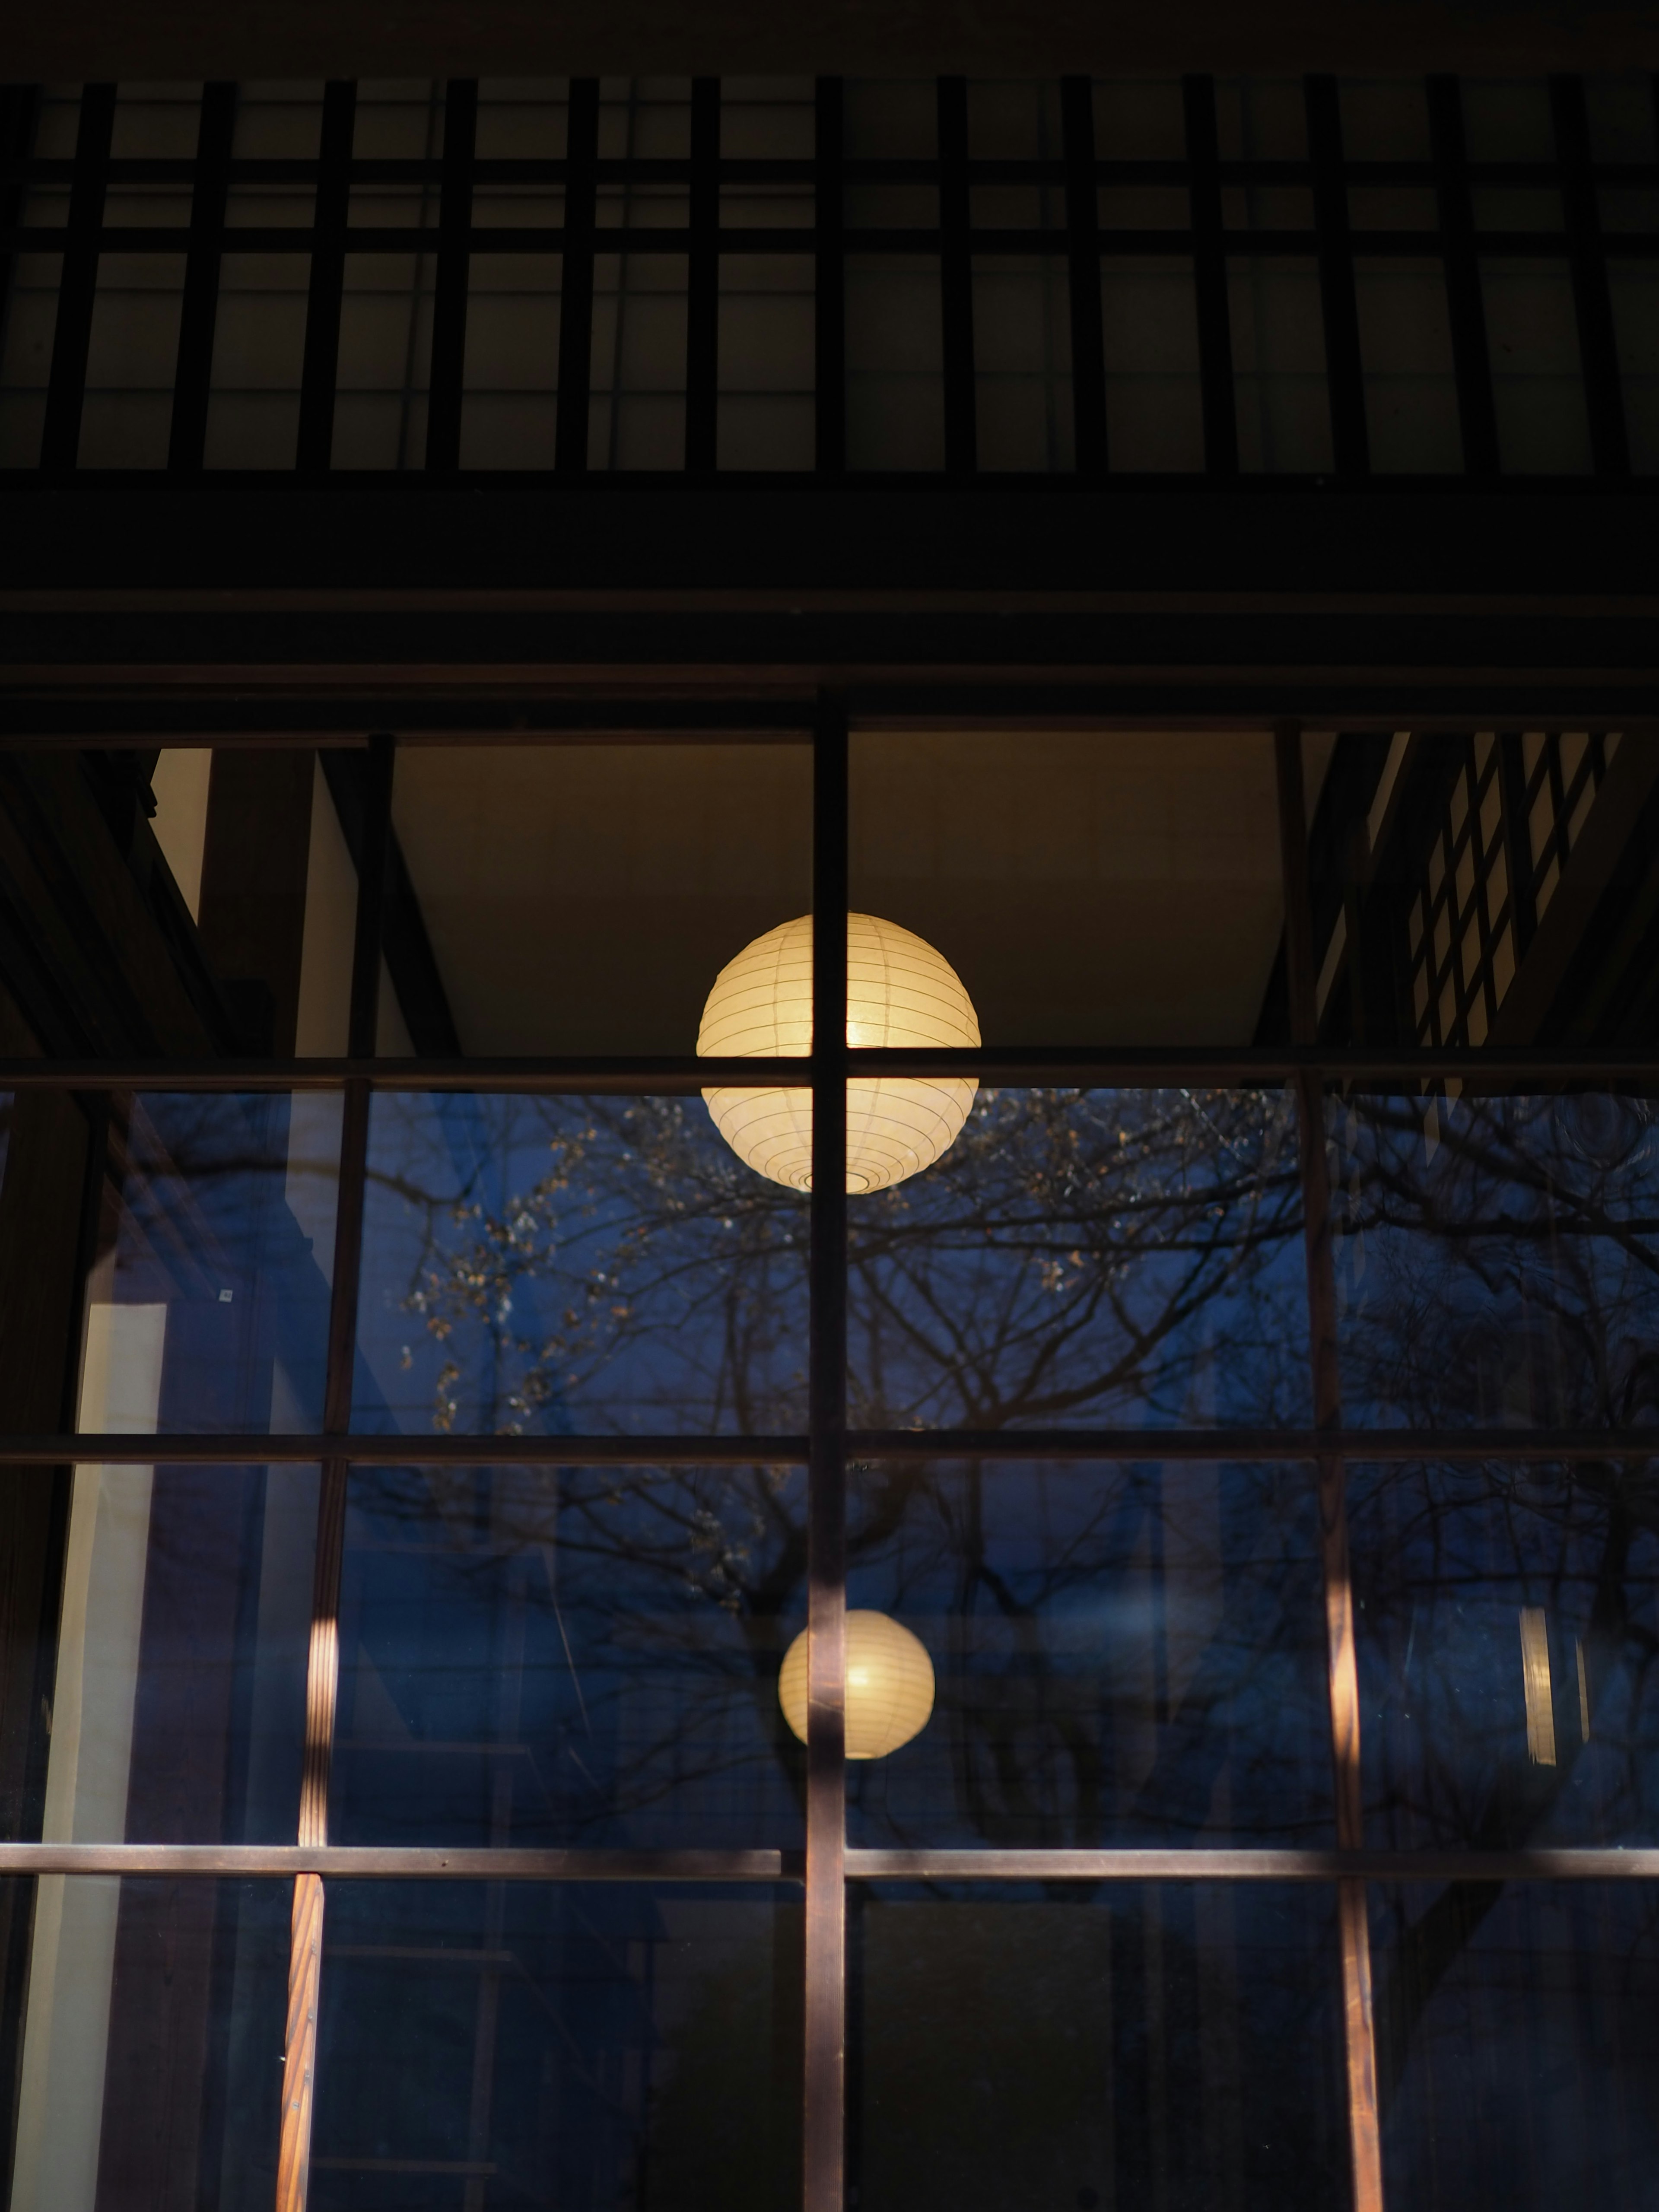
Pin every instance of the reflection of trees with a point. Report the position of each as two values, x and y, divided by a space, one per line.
1095 1257
1076 1255
1498 1264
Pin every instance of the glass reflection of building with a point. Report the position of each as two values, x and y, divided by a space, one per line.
1246 1404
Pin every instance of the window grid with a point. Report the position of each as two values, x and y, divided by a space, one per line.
1559 772
1514 809
461 189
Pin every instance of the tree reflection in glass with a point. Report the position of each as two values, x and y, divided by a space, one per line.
1498 1259
572 1265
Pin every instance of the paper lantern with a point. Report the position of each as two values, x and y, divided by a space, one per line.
899 992
889 1685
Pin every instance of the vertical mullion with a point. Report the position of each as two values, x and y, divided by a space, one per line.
702 278
323 1661
66 388
829 303
443 415
576 278
192 379
1598 345
1517 842
1345 377
1077 111
1215 344
1358 2032
825 2010
955 273
1471 359
322 355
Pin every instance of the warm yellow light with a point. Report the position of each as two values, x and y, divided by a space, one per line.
899 992
889 1685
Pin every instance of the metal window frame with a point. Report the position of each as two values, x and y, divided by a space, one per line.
828 1865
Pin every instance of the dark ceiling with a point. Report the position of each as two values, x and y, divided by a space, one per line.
196 38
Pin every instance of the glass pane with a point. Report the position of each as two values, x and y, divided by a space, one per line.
1497 1259
1088 887
171 1690
185 902
583 898
1517 2033
1123 1655
1508 1619
584 1656
1080 1256
569 2046
573 1265
207 1301
1134 2045
147 2068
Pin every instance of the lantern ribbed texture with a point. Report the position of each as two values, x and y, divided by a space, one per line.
889 1685
899 992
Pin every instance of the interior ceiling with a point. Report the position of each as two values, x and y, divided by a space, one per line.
1093 887
197 39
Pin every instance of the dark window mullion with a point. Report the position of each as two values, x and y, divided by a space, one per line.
956 276
1083 242
194 378
1470 358
322 354
66 388
443 418
829 305
1215 350
1598 346
823 2118
1345 376
576 278
703 304
323 1663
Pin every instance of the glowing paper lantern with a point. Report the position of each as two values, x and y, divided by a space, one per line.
889 1685
899 992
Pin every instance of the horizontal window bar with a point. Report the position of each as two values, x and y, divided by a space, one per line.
1006 1065
378 1862
1267 1446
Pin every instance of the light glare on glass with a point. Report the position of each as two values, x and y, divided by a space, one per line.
889 1685
900 992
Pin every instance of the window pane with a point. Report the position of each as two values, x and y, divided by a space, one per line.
583 898
172 1690
1099 887
1516 2045
1123 1655
1137 2045
1496 1259
207 1302
566 2045
1081 1256
149 2070
581 1656
1507 1620
560 1265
